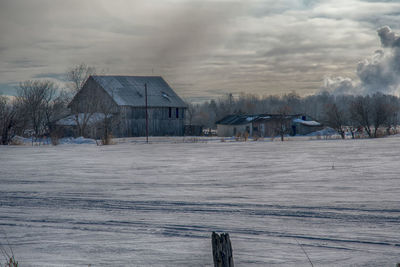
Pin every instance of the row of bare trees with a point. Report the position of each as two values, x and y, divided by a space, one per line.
9 122
372 114
344 113
33 112
39 104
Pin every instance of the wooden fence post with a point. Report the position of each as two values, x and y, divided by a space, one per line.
222 250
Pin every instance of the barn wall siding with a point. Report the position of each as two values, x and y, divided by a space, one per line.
233 130
269 127
91 99
133 122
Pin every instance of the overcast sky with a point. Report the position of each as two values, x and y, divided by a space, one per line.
204 49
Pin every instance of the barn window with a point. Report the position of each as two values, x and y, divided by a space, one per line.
169 112
177 112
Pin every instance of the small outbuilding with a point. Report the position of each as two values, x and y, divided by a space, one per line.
233 125
265 125
304 125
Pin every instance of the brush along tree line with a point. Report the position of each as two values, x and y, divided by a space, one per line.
39 104
374 115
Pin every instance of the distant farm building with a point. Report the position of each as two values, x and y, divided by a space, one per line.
193 130
264 125
235 124
126 97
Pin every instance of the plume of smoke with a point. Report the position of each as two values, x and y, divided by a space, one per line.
378 73
388 37
340 85
191 32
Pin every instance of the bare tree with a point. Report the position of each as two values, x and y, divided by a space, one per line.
41 105
335 118
380 112
8 120
352 126
384 112
393 117
283 121
229 103
54 110
344 105
361 110
373 112
189 112
78 76
292 101
35 98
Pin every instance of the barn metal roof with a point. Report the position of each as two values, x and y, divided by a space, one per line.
237 119
307 123
129 91
245 119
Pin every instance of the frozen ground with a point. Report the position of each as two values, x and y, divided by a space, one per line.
133 204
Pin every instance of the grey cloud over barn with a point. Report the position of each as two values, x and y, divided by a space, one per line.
204 48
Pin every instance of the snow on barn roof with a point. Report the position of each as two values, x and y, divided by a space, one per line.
307 123
237 119
245 119
129 91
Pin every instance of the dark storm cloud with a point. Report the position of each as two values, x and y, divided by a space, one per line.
388 37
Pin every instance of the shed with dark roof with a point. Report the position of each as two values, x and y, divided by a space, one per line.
263 125
125 99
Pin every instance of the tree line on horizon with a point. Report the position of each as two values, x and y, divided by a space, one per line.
376 114
39 104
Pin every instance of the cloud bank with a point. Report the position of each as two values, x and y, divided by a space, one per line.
378 73
203 48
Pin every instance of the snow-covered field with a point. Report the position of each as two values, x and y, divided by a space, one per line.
134 204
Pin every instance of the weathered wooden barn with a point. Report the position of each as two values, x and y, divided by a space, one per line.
264 125
124 98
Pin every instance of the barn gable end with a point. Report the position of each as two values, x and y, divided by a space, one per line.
166 110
